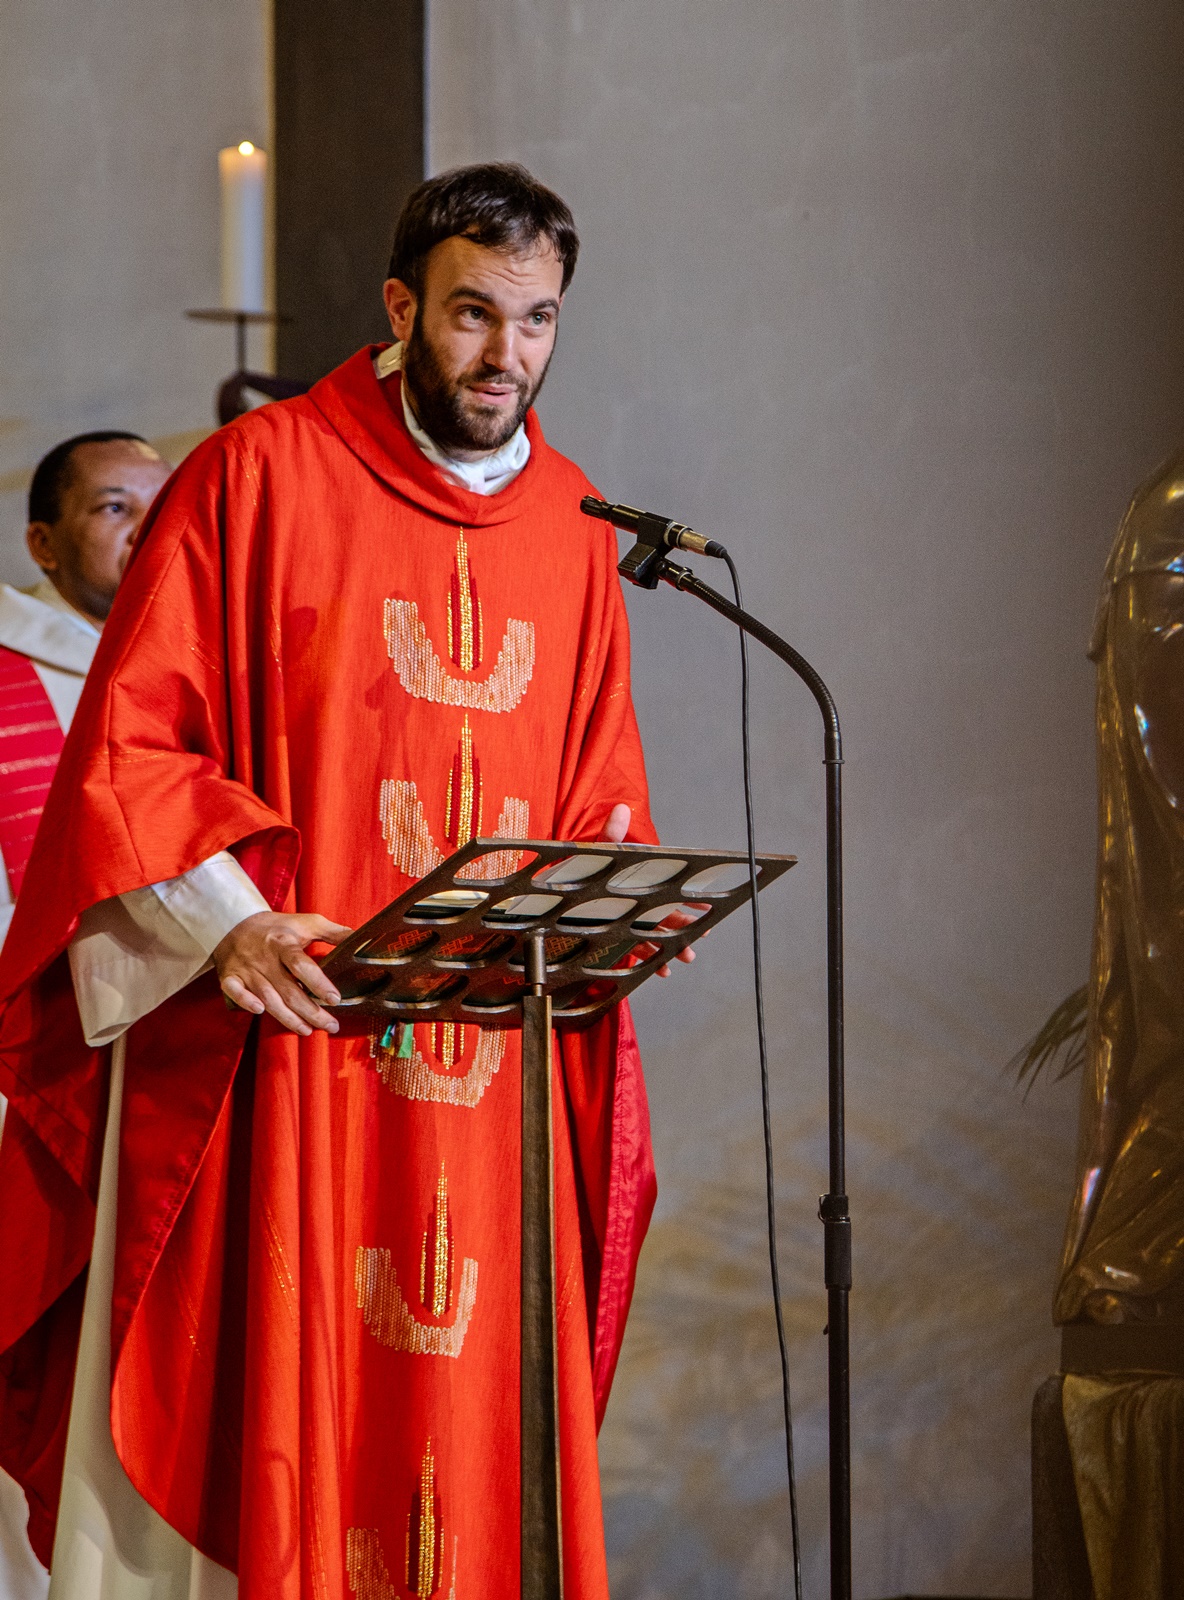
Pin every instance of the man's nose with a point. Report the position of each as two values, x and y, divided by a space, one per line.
500 347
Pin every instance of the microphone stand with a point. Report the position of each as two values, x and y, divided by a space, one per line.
645 565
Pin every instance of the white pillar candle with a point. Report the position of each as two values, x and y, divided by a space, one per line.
243 173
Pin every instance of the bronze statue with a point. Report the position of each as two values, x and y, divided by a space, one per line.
1123 1257
1120 1295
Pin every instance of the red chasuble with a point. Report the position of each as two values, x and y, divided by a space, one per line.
340 666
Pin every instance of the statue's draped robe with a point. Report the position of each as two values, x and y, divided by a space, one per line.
1123 1258
341 667
1124 1246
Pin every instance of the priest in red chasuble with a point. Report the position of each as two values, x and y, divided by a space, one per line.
276 1330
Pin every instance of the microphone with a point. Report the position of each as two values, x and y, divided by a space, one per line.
660 533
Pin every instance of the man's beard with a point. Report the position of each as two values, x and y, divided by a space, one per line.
438 400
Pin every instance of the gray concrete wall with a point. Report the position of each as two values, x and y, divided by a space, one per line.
111 117
886 294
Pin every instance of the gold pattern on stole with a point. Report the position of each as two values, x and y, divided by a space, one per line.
414 1078
384 1308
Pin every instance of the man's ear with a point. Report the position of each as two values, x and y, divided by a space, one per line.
400 305
39 539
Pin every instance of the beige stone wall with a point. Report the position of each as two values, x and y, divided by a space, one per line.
884 293
110 122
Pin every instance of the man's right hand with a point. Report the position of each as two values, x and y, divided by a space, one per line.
262 966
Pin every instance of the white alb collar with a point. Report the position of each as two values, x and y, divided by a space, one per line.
38 623
484 476
50 595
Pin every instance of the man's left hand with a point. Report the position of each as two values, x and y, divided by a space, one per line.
614 832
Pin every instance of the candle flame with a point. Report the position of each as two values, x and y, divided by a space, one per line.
246 148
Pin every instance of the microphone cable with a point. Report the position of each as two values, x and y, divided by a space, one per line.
766 1113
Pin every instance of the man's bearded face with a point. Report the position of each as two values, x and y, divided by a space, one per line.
453 407
480 342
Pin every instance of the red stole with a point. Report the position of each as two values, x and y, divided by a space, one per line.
30 745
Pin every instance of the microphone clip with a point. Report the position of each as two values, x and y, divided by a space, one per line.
644 565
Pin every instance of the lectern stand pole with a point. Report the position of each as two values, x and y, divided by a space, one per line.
542 1532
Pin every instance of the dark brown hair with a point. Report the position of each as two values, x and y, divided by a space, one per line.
498 204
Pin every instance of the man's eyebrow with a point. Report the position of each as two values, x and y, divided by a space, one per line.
465 293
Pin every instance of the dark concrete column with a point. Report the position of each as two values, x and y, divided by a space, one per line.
349 146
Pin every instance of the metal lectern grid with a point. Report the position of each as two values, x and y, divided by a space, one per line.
531 933
454 948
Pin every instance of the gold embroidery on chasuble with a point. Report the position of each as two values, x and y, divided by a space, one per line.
405 829
466 628
463 814
414 1077
462 807
439 1063
368 1576
422 674
447 1042
417 663
384 1307
365 1567
435 1259
408 838
425 1532
423 1569
392 1322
